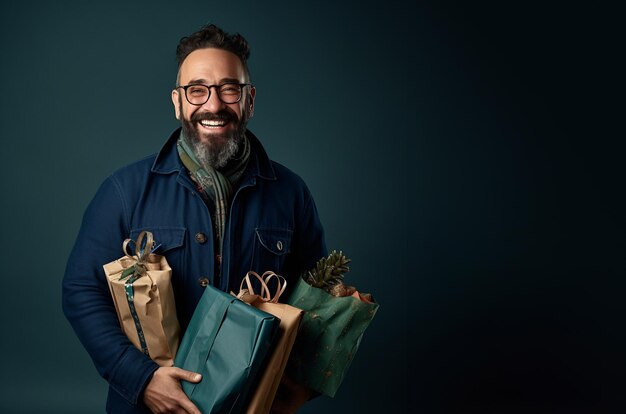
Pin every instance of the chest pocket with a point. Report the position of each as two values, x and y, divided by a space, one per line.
170 242
271 247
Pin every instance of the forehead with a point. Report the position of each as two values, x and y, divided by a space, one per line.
211 65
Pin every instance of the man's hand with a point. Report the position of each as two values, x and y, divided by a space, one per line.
290 396
164 393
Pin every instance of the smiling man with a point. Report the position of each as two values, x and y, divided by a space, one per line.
217 206
213 103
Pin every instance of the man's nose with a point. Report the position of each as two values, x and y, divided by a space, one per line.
213 104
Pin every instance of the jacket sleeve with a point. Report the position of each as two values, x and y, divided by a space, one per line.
87 301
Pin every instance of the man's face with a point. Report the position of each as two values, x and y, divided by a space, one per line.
217 141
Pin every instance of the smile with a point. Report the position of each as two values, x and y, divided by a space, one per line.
213 123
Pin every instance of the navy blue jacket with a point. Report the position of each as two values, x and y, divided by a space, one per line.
272 225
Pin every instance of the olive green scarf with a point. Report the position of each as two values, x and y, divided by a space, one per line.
217 185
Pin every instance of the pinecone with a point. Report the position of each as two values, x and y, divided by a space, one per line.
328 271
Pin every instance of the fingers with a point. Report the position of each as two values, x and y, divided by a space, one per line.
184 375
190 408
163 393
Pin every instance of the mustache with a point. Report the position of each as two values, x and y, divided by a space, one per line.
225 115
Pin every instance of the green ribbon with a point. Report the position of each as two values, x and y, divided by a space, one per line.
130 297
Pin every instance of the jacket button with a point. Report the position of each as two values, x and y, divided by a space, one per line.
203 281
201 238
279 246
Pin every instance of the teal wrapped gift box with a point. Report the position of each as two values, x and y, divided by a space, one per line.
226 341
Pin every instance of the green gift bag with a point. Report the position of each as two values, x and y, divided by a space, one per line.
329 336
226 341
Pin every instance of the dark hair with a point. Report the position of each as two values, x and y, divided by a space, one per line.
212 36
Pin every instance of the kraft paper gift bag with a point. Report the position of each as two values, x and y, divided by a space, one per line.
144 300
330 334
290 318
226 341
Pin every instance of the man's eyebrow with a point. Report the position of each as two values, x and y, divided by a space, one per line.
204 81
229 80
197 82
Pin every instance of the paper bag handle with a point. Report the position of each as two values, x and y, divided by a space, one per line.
263 280
280 287
265 292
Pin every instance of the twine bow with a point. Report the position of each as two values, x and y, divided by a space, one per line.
141 257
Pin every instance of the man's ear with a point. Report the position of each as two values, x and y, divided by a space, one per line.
251 99
176 103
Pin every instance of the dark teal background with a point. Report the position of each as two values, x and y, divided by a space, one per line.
464 156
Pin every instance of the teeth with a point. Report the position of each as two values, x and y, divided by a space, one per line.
212 123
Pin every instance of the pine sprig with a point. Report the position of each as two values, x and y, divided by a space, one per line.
329 271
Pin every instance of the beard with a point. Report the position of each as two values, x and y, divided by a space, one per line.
219 148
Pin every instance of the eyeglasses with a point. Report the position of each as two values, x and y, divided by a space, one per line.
199 94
